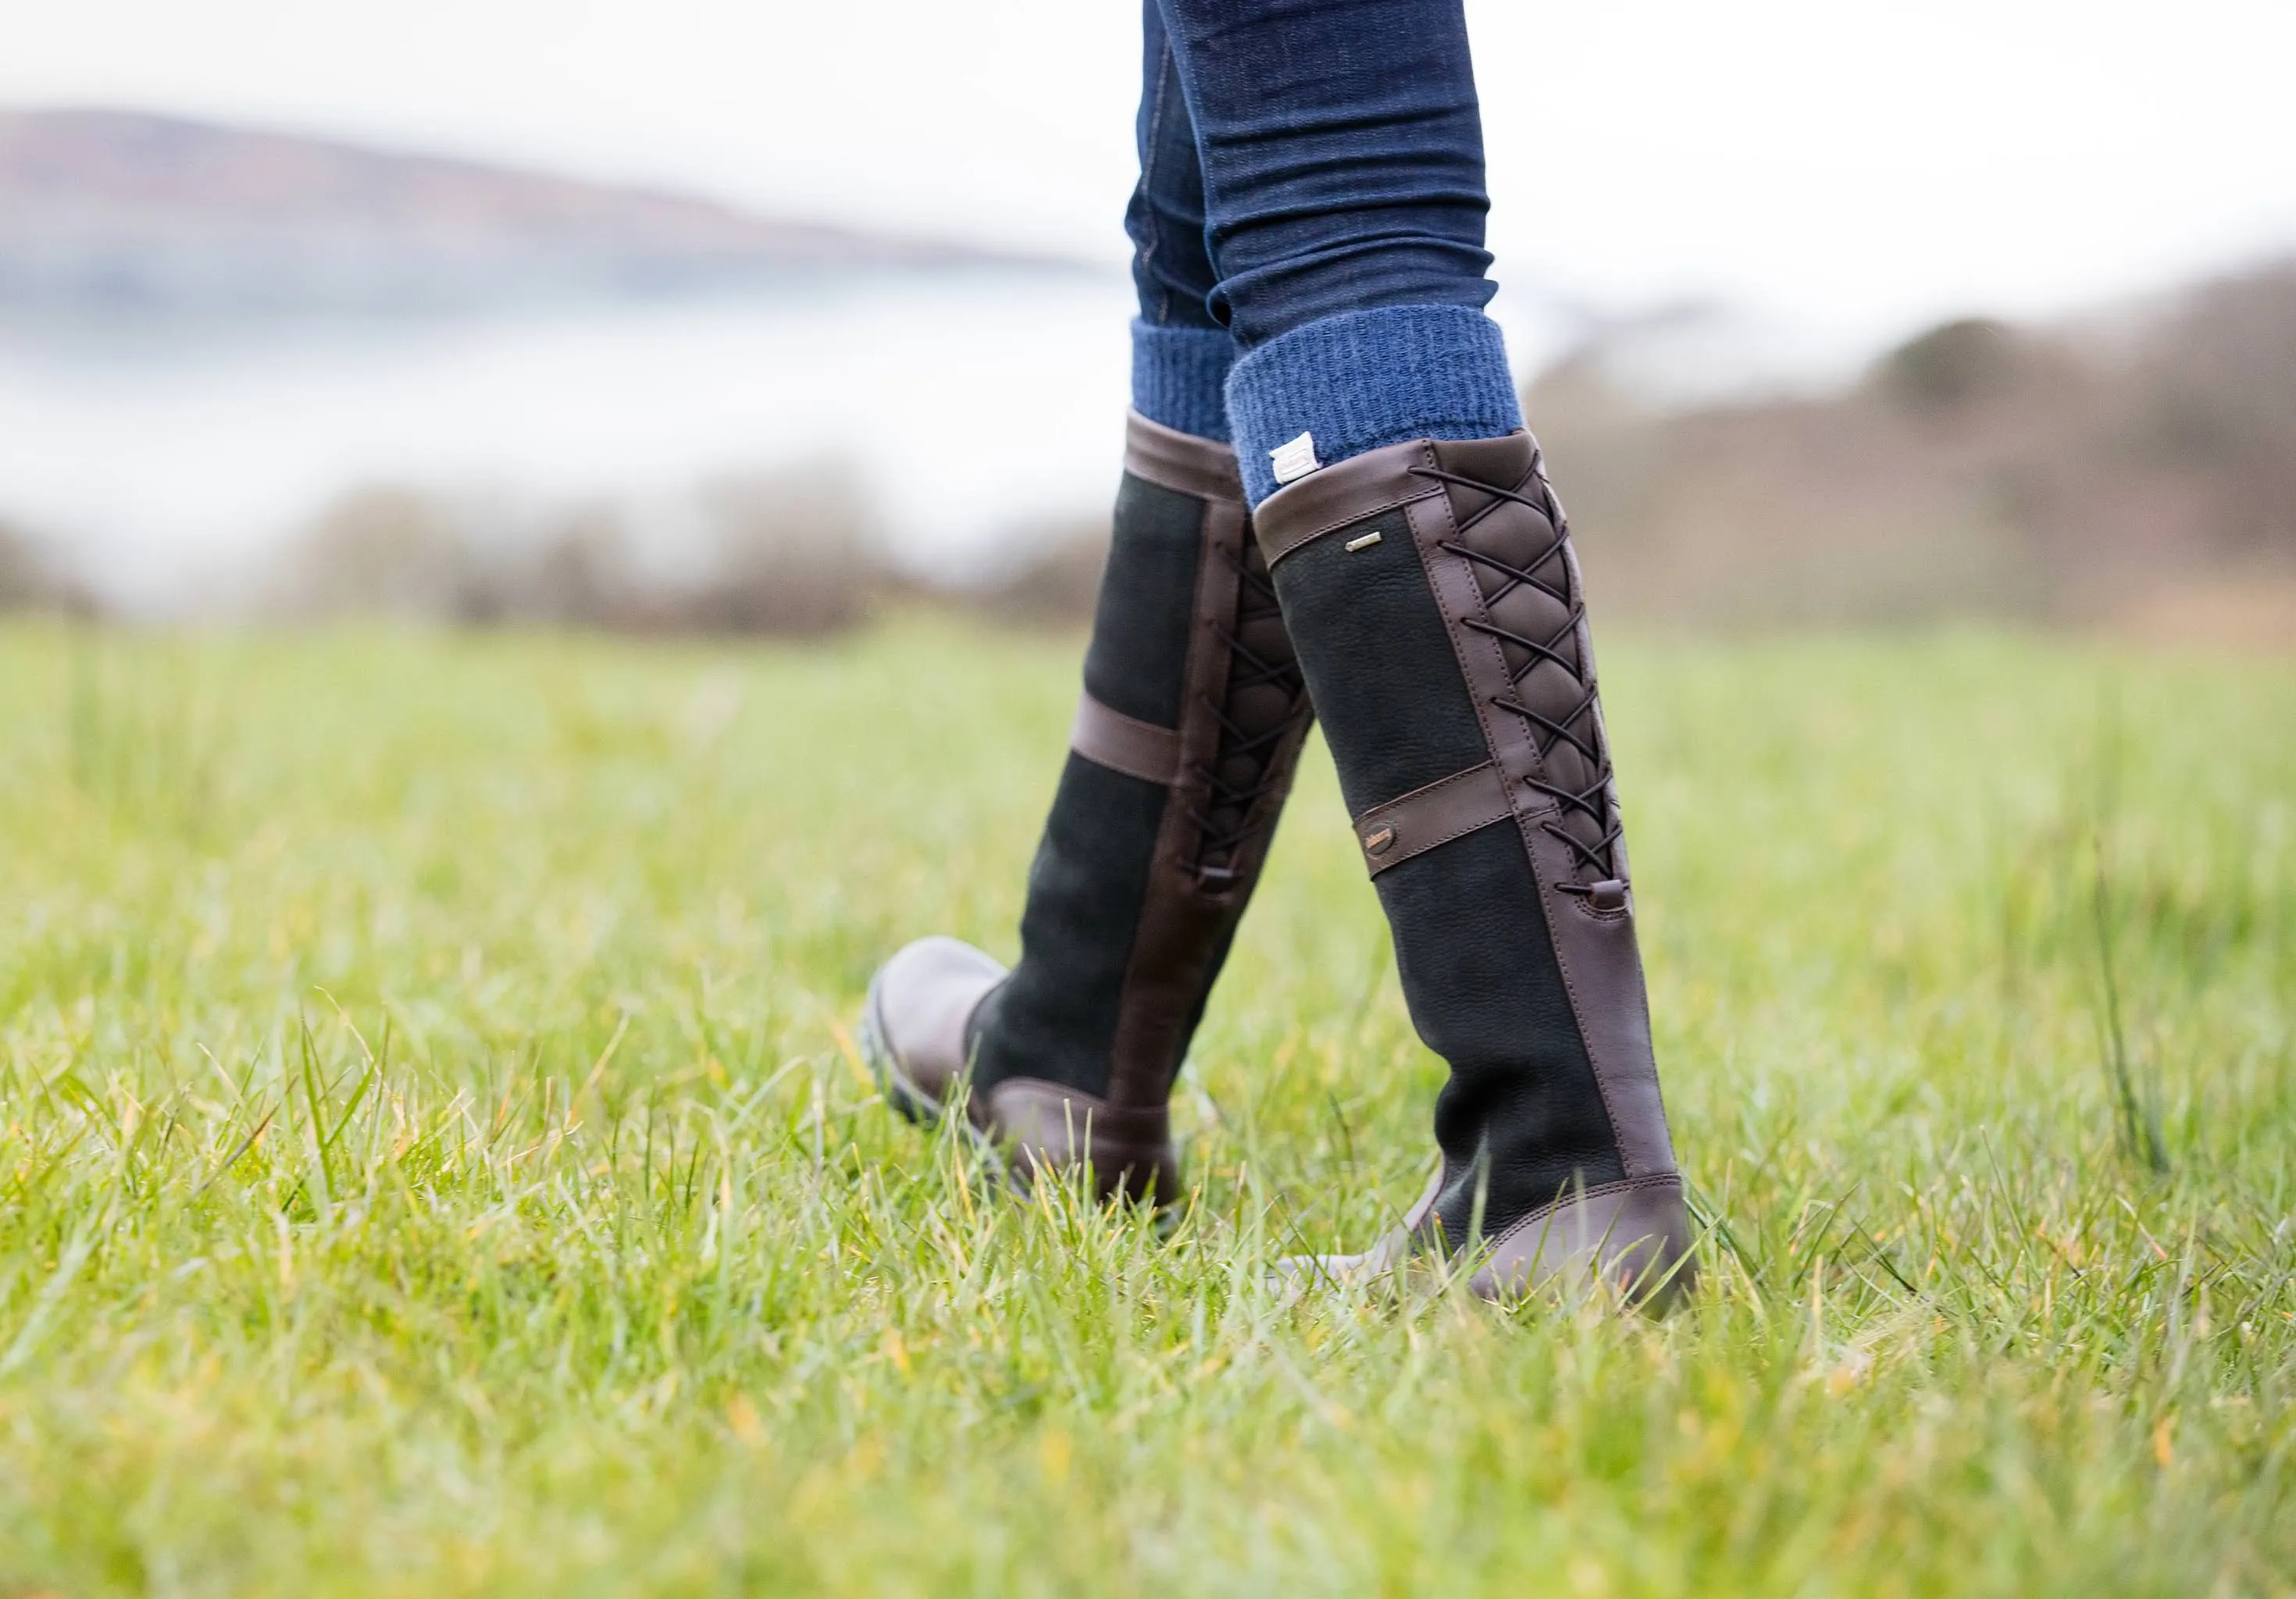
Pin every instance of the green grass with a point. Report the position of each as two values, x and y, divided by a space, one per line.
433 1157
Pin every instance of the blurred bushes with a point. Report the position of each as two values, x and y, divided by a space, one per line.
386 549
1053 578
796 553
1958 364
33 576
2122 473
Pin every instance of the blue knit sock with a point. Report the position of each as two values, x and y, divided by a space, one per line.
1353 383
1179 377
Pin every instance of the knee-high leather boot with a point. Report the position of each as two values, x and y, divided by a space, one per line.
1436 605
1183 747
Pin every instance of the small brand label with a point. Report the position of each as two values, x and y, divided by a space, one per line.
1295 460
1365 543
1379 842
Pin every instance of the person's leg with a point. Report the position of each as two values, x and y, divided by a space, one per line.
1190 723
1425 573
1341 143
1180 353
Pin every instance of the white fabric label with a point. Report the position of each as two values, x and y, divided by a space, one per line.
1294 460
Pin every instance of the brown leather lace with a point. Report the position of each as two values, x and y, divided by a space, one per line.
1243 769
1581 728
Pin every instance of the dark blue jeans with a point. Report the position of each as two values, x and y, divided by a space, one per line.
1299 159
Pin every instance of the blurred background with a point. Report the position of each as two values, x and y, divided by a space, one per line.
759 318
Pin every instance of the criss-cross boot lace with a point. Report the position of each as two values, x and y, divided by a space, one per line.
1518 543
1265 699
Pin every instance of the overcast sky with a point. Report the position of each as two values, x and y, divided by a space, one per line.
1844 160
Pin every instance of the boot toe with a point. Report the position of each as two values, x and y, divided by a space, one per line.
915 1024
1380 1262
1382 1259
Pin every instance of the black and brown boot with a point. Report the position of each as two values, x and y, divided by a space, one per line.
1437 607
1184 749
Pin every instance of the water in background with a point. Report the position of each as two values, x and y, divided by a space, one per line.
171 459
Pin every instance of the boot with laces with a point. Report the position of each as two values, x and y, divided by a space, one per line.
1182 751
1439 618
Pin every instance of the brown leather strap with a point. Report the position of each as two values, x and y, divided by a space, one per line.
1439 813
1340 495
1123 743
1180 461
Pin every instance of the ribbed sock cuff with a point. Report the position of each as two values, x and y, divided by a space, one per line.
1179 377
1365 379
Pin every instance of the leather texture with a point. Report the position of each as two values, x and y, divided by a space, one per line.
1054 1017
1504 875
1182 754
1521 1118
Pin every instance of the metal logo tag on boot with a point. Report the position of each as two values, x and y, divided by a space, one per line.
1295 460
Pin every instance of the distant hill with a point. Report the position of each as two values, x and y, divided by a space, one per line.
107 210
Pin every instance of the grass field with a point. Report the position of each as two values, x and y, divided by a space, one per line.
434 1156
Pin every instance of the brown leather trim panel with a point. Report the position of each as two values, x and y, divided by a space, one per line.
1603 973
1595 950
1333 497
1179 461
1123 743
1447 810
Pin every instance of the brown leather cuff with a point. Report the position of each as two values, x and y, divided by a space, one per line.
1181 461
1340 495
